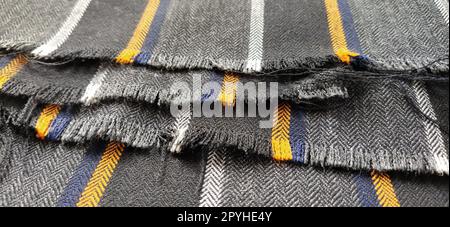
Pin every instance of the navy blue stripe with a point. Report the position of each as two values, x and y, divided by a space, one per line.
60 123
5 60
81 176
366 190
212 94
297 134
351 35
153 35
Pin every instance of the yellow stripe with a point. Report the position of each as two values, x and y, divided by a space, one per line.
384 189
137 40
11 69
102 174
44 121
228 92
337 32
281 147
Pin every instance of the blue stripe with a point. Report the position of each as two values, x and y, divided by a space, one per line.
297 134
351 35
60 123
5 60
153 35
81 176
366 190
212 94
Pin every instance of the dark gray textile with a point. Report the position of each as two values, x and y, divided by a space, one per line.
34 173
88 82
39 173
250 35
29 23
383 125
383 32
152 178
234 180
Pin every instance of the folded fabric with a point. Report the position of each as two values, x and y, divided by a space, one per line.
88 82
97 96
251 35
383 125
43 173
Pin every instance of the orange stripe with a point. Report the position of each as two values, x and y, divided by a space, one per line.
46 118
281 147
337 32
227 95
137 40
384 189
13 67
101 176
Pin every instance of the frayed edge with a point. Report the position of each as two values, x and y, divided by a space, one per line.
440 65
246 66
49 93
179 129
214 139
178 140
140 93
299 95
441 165
112 129
328 155
420 65
254 65
15 46
317 155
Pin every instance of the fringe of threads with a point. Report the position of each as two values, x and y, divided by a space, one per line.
110 128
398 65
49 93
315 154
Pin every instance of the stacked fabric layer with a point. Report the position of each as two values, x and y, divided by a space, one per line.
292 103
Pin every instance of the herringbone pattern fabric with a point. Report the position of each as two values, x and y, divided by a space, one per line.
89 83
254 35
283 103
375 128
231 180
39 173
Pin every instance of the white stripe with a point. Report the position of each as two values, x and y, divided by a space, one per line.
213 181
255 46
433 133
180 128
442 5
66 29
93 87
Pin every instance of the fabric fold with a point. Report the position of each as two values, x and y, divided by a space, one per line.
378 127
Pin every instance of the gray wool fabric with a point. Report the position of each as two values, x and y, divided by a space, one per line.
81 82
39 173
359 117
252 181
251 35
380 126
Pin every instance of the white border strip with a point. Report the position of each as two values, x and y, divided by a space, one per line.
255 46
213 181
63 33
89 96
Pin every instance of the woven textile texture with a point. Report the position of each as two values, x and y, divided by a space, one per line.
86 83
250 35
42 173
381 124
224 103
